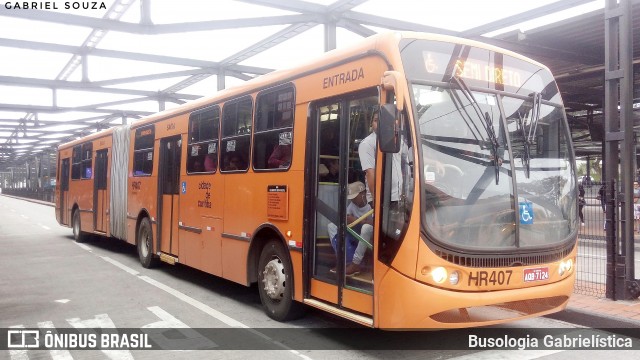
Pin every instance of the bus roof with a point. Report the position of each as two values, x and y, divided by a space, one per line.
385 42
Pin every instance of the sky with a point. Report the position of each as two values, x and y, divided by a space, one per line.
455 15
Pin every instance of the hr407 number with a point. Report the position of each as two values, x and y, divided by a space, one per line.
486 278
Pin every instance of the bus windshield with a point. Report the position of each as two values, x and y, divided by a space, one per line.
496 161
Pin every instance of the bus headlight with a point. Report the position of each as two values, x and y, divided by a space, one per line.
454 277
565 266
439 274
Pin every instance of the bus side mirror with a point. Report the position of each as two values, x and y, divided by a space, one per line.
392 81
393 85
388 129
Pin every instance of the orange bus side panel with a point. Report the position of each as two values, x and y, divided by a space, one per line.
100 210
142 195
363 73
405 259
175 233
324 291
81 193
211 246
296 264
357 301
165 222
234 260
191 247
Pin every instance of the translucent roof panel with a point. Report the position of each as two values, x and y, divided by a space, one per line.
88 67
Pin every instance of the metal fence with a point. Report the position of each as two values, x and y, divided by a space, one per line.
592 251
36 194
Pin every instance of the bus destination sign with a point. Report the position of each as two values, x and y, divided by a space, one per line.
436 63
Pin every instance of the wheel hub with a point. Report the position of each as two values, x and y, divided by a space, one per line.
274 279
76 225
145 244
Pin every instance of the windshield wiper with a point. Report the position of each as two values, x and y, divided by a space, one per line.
486 122
535 115
527 138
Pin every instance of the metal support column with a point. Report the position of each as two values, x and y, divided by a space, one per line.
329 35
632 286
611 126
145 12
619 145
221 79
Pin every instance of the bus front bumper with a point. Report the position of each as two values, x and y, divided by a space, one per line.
404 303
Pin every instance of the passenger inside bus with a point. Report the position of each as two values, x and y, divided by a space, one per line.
280 157
332 173
210 162
236 163
197 165
367 154
281 154
359 216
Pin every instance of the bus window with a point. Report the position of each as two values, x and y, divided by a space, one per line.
202 154
143 151
76 163
397 197
274 124
236 135
63 175
87 155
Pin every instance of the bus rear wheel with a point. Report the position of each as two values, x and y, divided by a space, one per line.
275 283
145 244
78 236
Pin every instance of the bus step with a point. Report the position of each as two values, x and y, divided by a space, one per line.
169 259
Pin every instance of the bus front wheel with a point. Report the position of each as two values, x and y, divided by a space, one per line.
275 283
145 244
78 236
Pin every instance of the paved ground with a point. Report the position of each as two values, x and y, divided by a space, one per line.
595 310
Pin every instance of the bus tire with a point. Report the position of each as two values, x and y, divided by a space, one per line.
145 244
275 283
78 235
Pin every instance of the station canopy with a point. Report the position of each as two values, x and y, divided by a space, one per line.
70 68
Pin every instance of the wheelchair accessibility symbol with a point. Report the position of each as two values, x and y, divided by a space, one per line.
526 213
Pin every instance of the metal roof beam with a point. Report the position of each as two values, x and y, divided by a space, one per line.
151 29
231 24
290 5
158 76
78 85
355 28
267 43
341 6
539 51
384 22
59 109
46 124
172 60
185 83
524 16
238 75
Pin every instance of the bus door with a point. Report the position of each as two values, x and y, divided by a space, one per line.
100 200
64 191
169 194
342 249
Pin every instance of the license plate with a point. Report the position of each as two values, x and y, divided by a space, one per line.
536 274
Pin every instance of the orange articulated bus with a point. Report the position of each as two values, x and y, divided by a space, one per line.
410 181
